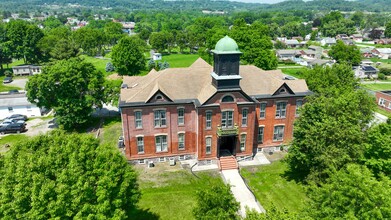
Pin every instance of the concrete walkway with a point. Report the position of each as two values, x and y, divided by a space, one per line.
259 159
241 192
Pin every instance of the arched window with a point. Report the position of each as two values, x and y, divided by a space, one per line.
227 98
159 97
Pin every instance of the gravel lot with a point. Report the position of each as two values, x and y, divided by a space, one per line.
21 83
40 126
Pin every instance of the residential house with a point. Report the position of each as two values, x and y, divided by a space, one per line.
294 43
288 54
382 41
366 71
204 112
17 103
357 38
128 27
319 62
382 53
26 70
342 37
383 99
318 51
328 41
366 52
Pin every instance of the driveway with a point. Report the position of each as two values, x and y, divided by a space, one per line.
21 83
38 126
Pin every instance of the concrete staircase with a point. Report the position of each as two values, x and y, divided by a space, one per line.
228 163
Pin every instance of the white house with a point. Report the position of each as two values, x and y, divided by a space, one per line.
157 56
17 103
26 70
328 41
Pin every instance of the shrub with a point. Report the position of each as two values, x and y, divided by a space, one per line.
109 67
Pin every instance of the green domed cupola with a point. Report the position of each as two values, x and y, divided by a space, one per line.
226 64
226 45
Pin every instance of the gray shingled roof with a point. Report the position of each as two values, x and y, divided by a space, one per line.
195 83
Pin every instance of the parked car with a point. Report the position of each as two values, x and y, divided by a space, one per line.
12 121
18 117
12 128
7 79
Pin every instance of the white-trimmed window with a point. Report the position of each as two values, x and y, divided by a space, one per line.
261 131
227 98
161 143
281 110
262 110
141 161
138 119
299 103
244 117
382 102
208 145
208 116
278 134
227 119
181 141
140 145
160 118
243 142
10 109
181 116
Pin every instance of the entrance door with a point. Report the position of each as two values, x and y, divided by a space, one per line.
227 145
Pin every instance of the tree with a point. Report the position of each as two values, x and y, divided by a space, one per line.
266 60
23 40
216 202
351 193
66 176
91 40
52 22
151 64
387 32
272 214
109 67
345 53
128 57
377 155
113 31
331 129
279 45
161 40
71 87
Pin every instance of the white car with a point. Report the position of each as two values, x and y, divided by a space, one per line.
11 121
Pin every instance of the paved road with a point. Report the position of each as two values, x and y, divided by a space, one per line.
241 192
376 82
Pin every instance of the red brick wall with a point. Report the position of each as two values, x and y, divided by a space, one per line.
196 136
387 99
270 121
149 131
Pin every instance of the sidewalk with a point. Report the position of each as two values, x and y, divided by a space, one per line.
241 192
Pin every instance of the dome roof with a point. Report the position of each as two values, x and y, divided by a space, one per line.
226 45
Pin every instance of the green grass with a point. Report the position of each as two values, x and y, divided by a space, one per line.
180 60
10 140
295 72
172 195
6 87
377 86
99 64
112 129
383 112
272 188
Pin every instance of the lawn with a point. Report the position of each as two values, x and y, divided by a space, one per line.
383 112
180 60
112 129
100 64
377 86
171 194
272 188
10 140
5 87
295 72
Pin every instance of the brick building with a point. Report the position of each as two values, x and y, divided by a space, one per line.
205 112
383 99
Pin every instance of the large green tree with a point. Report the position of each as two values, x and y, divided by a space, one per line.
128 56
351 193
216 202
113 31
71 87
345 53
23 39
66 176
377 156
331 129
91 40
387 32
